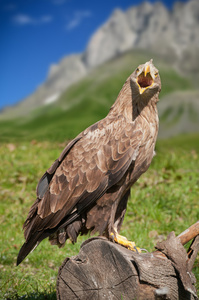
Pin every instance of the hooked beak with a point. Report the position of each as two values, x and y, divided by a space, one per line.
145 79
147 70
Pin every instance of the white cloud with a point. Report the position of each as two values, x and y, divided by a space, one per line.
22 19
78 18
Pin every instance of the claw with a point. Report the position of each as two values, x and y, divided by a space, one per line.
112 236
122 240
145 250
136 250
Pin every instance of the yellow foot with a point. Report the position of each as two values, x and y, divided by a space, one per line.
122 240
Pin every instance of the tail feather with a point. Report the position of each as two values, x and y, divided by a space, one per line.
24 251
30 245
34 235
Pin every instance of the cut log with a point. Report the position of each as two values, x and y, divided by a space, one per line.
105 270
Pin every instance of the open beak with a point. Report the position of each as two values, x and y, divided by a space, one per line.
147 70
145 80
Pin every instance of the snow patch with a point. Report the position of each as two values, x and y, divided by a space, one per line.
51 99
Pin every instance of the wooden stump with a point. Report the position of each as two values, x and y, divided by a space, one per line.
105 270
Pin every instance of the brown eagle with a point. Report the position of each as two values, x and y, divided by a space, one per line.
87 187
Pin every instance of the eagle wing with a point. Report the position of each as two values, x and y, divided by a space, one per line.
88 167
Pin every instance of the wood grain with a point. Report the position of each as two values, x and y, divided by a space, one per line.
104 270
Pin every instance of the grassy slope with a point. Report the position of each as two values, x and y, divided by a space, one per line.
164 199
87 101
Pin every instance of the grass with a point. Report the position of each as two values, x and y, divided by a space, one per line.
164 199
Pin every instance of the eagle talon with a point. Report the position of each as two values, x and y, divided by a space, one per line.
133 247
122 240
145 250
112 236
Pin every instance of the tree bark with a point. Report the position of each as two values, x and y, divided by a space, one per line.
105 270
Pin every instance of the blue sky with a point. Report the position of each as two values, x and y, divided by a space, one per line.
36 33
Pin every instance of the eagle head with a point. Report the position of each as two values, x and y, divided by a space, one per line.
146 80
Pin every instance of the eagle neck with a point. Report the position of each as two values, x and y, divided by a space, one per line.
149 104
130 104
123 104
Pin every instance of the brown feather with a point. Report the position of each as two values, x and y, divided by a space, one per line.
87 187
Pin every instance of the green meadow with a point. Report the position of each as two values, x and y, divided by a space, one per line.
164 199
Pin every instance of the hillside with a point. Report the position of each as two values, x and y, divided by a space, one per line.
150 27
90 100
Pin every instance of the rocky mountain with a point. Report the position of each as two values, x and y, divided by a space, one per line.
147 26
171 34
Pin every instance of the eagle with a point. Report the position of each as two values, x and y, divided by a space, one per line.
87 188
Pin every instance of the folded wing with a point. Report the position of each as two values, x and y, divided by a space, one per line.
88 167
